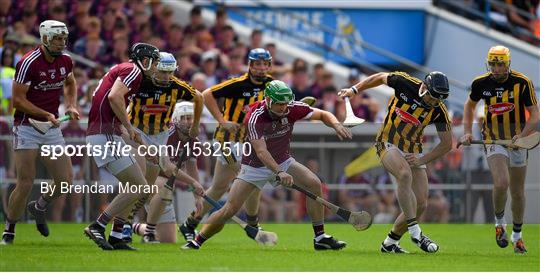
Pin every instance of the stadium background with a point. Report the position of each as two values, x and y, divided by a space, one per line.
318 49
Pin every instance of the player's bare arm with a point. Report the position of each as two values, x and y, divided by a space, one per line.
118 105
22 104
70 95
331 121
259 146
444 146
170 169
468 117
198 105
212 105
367 83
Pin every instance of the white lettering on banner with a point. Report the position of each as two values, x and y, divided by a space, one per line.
290 22
309 24
348 38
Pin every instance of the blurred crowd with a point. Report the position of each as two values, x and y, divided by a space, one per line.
102 31
520 18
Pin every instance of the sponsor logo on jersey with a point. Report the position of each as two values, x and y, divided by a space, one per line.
501 108
155 108
406 117
44 85
486 93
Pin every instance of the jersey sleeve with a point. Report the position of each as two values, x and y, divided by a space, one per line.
529 96
300 111
188 91
254 124
396 79
69 63
23 71
130 75
475 94
442 119
221 90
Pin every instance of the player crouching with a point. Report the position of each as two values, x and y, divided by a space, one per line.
182 120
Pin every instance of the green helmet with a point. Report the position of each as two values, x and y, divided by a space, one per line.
278 92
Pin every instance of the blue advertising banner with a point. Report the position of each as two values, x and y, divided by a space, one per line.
322 30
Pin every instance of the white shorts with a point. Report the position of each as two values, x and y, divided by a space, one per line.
26 137
113 161
168 215
106 178
260 176
156 140
390 146
235 157
516 157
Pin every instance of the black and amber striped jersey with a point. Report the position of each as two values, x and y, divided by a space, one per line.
406 118
152 106
504 104
237 94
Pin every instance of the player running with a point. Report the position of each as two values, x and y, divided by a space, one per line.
179 134
237 94
507 95
41 77
150 112
107 115
269 130
415 105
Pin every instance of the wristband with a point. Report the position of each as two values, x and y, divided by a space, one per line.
354 89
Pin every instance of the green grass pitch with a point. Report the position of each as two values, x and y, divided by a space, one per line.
464 247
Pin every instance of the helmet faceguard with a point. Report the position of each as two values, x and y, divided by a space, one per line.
498 62
436 86
182 117
278 92
255 55
141 51
164 70
53 36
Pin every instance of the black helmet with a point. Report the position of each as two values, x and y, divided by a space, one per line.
139 51
437 85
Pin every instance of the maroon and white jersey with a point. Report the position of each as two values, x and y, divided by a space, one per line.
175 140
45 81
276 132
101 119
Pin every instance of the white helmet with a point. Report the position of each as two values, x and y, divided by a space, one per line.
183 108
167 62
49 29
